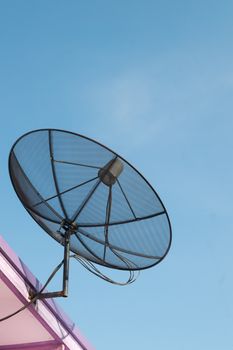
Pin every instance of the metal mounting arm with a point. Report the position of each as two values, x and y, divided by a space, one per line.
66 260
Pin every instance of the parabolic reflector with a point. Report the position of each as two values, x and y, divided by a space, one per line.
66 179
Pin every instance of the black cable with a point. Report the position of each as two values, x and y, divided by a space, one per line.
90 267
35 297
93 269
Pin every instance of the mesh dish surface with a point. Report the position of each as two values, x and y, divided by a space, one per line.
55 174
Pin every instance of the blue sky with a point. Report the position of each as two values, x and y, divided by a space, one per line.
153 81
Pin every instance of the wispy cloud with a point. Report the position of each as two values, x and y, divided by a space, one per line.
126 104
170 102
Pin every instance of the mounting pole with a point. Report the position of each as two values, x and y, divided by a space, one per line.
69 230
66 263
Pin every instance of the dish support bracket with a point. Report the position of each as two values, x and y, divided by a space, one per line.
66 262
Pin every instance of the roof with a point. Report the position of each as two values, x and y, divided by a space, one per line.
41 326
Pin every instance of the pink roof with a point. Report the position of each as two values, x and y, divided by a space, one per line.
39 327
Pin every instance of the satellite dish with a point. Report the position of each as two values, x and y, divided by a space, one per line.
89 199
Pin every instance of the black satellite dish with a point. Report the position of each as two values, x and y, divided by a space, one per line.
90 200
